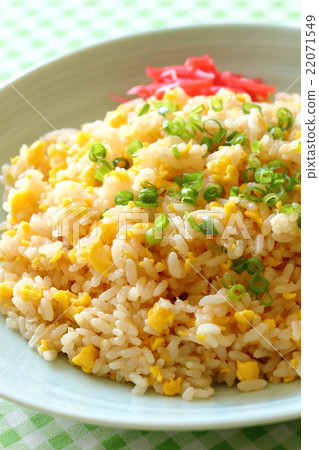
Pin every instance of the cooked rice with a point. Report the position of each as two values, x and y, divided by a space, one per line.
159 316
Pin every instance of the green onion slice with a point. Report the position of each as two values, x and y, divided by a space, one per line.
246 174
270 299
217 104
193 180
224 281
221 133
236 292
256 147
191 220
285 119
207 227
258 284
277 164
208 141
172 192
147 184
216 249
276 132
165 106
213 191
103 213
175 151
97 152
102 169
239 265
254 265
121 162
247 107
150 237
188 195
253 198
123 197
264 176
270 199
234 191
145 108
237 138
253 161
133 147
142 204
148 195
161 221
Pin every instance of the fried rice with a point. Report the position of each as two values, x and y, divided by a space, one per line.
92 277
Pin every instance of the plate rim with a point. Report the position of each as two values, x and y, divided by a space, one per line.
293 409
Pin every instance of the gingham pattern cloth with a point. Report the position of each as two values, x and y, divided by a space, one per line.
34 30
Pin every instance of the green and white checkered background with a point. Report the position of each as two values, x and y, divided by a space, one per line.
34 30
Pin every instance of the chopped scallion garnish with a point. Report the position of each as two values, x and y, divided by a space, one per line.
256 146
150 237
234 191
145 108
97 152
102 169
122 163
258 284
123 197
208 141
207 227
236 292
212 192
133 147
254 265
285 119
175 151
224 281
245 194
239 265
161 221
270 199
276 132
253 161
247 107
217 104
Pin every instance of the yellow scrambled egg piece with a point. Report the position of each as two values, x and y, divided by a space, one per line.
224 173
247 370
255 217
229 209
87 176
244 318
44 345
24 202
31 294
36 153
289 295
172 387
99 257
271 261
83 138
117 118
86 358
271 323
109 231
158 342
189 262
6 293
159 317
155 371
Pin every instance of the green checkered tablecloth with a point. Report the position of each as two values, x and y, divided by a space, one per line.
33 30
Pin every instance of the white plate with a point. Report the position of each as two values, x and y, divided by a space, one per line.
74 89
